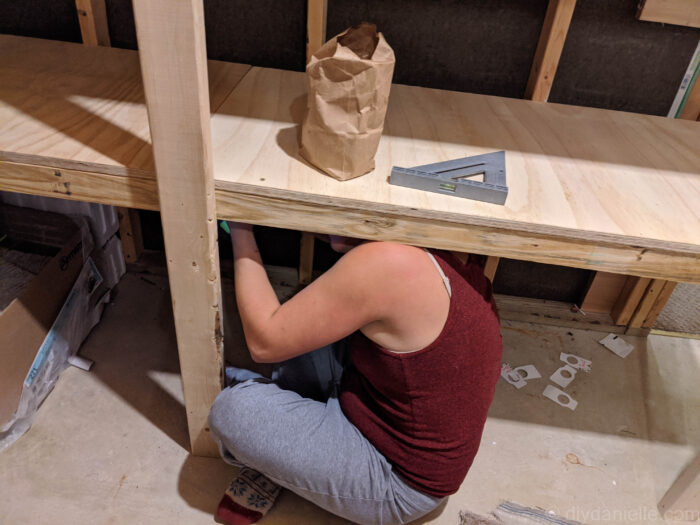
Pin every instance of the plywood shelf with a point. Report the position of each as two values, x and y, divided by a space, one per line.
677 12
76 107
589 188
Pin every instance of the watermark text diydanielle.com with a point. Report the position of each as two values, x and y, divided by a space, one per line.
630 515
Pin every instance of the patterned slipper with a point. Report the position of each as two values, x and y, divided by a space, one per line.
247 499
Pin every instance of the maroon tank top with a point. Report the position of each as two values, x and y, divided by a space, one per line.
425 410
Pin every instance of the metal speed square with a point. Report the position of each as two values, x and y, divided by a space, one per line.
452 177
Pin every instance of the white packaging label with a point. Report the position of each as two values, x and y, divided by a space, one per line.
616 345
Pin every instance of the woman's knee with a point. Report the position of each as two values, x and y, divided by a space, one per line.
234 410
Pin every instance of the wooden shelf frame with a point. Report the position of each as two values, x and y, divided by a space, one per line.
77 165
89 139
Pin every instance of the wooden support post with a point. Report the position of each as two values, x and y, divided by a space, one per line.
491 267
652 302
650 295
306 257
603 292
173 57
544 66
600 296
315 26
94 29
130 232
659 303
315 37
92 16
549 47
629 298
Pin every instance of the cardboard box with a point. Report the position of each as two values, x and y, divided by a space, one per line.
25 323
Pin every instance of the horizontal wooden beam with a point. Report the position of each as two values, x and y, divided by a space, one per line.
349 217
117 190
352 219
555 313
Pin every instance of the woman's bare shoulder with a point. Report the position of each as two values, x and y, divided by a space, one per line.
411 296
387 253
391 265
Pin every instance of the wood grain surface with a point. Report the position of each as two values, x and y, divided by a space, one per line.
92 16
589 188
177 96
578 174
70 106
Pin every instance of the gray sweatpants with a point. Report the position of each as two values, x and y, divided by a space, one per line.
291 429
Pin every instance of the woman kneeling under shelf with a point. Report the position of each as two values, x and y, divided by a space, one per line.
385 369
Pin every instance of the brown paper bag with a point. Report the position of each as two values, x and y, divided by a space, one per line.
349 80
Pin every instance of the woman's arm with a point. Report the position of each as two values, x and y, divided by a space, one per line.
391 291
335 305
256 299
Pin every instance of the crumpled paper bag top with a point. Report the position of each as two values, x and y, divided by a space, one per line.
349 80
361 40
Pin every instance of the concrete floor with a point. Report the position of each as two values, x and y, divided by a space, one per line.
110 445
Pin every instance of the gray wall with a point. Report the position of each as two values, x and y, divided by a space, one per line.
610 60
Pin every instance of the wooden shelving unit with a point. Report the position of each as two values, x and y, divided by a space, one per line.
589 188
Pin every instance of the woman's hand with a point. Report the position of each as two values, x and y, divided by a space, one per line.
243 240
239 226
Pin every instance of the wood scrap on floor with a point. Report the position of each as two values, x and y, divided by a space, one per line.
509 513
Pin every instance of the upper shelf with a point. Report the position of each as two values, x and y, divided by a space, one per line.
589 188
589 174
72 106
